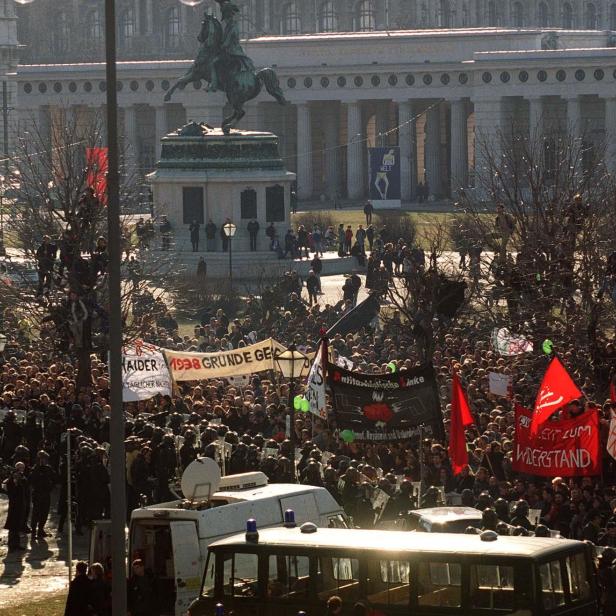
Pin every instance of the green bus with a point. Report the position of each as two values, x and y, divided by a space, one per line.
280 571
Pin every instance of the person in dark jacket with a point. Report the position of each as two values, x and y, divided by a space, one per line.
78 599
42 480
253 229
16 489
142 595
194 235
210 235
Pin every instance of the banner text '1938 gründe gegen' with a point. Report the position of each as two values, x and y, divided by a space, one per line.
187 366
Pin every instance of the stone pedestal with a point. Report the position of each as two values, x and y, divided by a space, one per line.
204 175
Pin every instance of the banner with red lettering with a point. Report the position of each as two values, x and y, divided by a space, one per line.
189 366
565 448
96 162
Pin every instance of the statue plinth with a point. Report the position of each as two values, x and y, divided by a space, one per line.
206 175
198 146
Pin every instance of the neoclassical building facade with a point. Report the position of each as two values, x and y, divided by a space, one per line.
432 77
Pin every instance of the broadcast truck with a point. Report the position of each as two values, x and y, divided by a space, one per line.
172 538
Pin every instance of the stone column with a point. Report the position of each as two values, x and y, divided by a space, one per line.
406 141
304 152
42 118
355 179
535 118
459 146
433 150
610 134
488 142
574 118
131 153
149 16
101 119
332 158
267 16
161 127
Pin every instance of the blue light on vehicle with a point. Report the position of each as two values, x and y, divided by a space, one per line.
289 518
251 530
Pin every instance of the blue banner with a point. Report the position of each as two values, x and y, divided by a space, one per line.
385 177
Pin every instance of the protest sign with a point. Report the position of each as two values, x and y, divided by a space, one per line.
187 366
500 384
385 407
315 391
508 345
144 373
565 448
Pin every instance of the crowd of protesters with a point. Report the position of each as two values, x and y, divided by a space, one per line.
40 402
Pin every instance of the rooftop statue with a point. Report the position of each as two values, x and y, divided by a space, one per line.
221 62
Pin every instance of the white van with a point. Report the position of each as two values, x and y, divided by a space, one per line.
173 538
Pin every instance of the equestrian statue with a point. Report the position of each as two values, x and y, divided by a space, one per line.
221 62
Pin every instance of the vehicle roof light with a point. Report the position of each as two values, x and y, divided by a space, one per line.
252 534
488 535
308 528
289 518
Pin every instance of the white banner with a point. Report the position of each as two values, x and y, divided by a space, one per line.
315 391
144 373
508 345
611 439
246 360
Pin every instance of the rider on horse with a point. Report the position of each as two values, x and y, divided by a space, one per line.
231 57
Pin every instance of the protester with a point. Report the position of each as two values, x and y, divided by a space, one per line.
79 599
193 228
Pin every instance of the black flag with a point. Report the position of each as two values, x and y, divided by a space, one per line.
358 317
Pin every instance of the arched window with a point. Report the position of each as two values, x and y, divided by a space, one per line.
613 17
172 28
127 27
94 26
291 23
328 20
567 16
444 14
492 14
244 21
60 33
517 15
366 18
543 15
591 16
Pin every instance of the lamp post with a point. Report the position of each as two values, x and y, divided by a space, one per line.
292 364
229 228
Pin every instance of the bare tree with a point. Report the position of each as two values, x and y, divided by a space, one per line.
58 219
543 214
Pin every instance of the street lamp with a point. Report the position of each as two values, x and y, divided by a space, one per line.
229 228
292 364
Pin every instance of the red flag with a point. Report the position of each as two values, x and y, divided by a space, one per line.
460 418
96 162
557 389
612 391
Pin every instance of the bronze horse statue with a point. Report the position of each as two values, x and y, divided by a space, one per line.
234 74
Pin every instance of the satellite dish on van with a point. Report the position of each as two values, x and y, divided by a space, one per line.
200 479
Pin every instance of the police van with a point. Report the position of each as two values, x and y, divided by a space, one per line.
172 538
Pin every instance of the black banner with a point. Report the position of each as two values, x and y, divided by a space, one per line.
386 407
358 317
